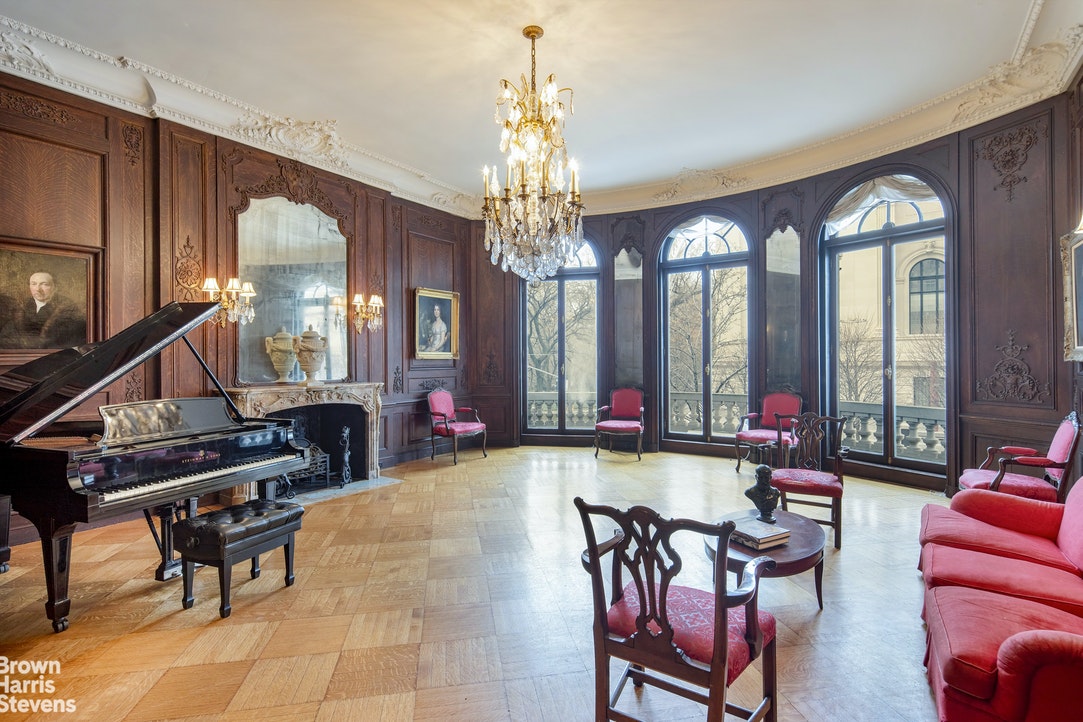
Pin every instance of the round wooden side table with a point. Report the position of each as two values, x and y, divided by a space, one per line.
803 551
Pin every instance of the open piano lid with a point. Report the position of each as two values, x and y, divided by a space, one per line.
37 393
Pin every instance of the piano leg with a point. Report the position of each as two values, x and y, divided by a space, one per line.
268 488
5 532
169 567
56 553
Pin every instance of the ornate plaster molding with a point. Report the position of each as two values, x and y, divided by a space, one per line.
294 138
693 185
1030 75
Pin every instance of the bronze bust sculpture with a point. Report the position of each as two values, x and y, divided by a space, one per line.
763 495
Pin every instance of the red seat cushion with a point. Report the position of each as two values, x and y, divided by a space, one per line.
944 566
1014 484
458 428
807 481
691 613
617 426
941 525
764 436
966 645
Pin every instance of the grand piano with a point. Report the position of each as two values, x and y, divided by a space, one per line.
155 456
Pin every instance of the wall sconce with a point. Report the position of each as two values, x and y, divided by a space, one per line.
235 299
370 314
339 304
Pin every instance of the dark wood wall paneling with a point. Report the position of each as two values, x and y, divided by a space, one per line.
1075 211
77 178
1006 190
187 249
79 173
1014 385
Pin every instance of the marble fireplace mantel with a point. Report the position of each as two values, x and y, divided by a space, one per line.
265 400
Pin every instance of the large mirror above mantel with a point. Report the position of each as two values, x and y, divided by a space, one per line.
294 255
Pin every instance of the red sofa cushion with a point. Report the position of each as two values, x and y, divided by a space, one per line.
1040 518
951 566
1070 535
941 525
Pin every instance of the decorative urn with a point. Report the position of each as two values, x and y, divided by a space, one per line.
763 495
280 349
311 349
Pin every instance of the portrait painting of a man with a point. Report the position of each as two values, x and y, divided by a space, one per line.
43 300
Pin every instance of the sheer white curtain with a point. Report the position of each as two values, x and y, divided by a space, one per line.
869 193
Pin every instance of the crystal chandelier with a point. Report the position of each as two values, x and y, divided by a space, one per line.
533 226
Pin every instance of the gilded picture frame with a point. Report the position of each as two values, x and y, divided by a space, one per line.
1071 256
436 324
62 279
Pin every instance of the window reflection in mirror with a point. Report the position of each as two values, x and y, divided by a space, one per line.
783 309
628 312
295 256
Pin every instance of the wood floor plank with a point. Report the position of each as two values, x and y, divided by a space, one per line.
454 592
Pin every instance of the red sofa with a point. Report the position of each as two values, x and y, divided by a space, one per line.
1004 606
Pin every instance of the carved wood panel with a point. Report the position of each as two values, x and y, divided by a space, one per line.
188 250
1013 287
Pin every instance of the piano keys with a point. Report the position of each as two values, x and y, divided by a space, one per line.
160 454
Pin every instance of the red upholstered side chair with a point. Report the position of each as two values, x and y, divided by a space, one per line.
444 417
817 470
702 639
623 416
1056 463
757 429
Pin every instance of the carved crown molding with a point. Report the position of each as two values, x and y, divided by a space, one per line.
1030 75
294 138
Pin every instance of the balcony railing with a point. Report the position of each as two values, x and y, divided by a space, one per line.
543 411
920 434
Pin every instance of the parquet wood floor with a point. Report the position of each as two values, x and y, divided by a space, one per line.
448 592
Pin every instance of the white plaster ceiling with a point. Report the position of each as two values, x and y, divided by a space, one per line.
674 99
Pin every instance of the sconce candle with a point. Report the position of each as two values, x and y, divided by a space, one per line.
369 314
235 300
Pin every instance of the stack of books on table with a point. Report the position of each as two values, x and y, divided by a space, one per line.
759 535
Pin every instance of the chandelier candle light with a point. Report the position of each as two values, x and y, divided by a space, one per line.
235 299
533 226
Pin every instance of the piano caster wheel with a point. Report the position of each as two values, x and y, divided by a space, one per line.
60 625
4 567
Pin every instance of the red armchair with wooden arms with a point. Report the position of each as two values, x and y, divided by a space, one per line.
444 416
757 430
1056 464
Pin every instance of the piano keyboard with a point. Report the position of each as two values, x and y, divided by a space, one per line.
108 497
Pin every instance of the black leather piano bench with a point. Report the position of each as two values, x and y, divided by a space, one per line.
224 537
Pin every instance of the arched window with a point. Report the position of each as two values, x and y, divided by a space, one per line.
705 277
883 250
560 373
